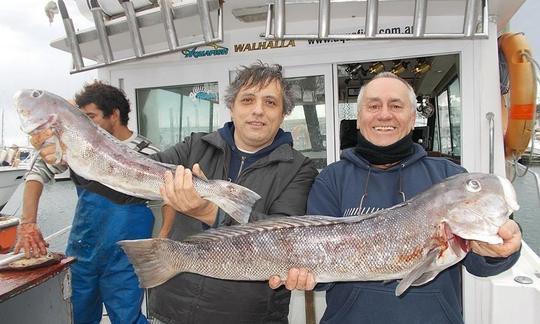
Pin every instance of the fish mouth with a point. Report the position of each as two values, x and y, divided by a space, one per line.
30 128
509 195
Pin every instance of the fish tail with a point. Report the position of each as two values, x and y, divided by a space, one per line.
236 200
151 259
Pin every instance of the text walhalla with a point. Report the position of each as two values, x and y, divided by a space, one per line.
255 46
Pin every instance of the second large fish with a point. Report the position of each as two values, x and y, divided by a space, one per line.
96 155
413 241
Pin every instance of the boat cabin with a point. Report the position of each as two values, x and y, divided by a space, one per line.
174 59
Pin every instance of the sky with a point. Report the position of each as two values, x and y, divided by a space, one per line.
28 61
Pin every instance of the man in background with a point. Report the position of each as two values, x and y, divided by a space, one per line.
102 273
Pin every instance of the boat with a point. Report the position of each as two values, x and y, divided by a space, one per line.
174 60
10 178
11 173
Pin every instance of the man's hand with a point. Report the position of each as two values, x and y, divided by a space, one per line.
30 239
511 236
179 193
46 151
297 278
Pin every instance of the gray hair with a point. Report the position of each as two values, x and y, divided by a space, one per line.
390 75
260 74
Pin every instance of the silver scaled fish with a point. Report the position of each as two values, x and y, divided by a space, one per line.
96 155
412 241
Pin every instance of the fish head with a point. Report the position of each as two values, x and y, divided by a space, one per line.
37 109
477 205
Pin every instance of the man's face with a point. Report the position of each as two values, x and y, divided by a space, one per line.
92 111
385 114
257 114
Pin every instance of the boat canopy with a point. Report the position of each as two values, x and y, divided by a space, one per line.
140 29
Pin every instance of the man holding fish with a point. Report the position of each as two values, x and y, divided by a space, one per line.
385 169
102 273
251 151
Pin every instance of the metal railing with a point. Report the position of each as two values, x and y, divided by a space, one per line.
276 23
133 23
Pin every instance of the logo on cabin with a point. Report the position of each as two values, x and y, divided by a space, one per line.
215 51
256 46
200 92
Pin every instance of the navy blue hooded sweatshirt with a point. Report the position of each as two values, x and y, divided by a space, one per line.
338 190
242 160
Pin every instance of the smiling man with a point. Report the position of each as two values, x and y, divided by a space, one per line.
384 169
251 150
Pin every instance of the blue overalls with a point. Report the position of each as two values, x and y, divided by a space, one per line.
102 273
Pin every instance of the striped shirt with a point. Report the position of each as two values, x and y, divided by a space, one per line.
44 172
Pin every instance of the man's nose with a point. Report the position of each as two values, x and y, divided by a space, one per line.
385 112
258 107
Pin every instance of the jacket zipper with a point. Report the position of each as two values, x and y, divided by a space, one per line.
241 167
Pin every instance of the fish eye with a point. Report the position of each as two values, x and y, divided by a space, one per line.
37 93
473 185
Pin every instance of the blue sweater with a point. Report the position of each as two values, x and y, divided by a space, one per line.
338 190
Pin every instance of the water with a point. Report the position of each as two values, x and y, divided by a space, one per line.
528 215
58 202
56 209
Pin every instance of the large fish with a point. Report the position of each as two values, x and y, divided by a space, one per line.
96 155
412 241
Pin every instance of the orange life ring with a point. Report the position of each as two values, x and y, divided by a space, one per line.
520 117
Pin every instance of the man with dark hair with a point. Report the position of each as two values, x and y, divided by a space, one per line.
385 168
107 98
102 273
251 150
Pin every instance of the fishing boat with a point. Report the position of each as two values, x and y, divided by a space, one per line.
11 174
174 60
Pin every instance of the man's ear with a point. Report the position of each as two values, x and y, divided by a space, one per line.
115 114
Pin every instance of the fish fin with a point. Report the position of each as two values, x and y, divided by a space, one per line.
417 272
400 205
425 278
151 260
271 224
236 200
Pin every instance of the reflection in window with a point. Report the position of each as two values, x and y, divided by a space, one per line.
447 139
166 115
307 122
443 124
454 94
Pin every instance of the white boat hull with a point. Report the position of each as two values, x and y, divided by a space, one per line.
10 178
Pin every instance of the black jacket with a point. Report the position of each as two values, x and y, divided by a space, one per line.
283 179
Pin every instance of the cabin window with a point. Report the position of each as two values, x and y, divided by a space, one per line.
447 137
307 121
166 115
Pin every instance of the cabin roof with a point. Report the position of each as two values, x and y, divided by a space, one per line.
189 26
